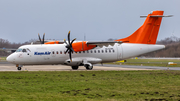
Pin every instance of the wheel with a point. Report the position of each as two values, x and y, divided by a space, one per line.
18 68
75 67
88 67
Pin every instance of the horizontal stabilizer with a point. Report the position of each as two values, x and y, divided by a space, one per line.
157 16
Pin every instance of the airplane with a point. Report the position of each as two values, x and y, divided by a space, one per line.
87 53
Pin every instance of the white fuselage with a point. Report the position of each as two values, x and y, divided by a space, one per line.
55 54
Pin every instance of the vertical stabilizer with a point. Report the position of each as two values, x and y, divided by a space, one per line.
148 32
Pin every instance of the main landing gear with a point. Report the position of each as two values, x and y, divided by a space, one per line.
18 67
88 67
74 67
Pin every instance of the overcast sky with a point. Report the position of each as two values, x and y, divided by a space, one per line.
22 20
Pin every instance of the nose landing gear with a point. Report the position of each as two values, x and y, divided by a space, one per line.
18 67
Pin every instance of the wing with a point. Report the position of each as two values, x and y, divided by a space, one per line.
53 42
88 45
103 43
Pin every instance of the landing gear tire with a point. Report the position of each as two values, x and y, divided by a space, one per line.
88 67
18 68
75 67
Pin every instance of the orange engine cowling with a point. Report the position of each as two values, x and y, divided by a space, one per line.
82 46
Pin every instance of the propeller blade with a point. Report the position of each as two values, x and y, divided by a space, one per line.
73 41
39 37
43 39
69 46
69 37
65 41
70 55
66 51
71 49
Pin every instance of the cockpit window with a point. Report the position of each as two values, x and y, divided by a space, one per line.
19 50
24 50
28 50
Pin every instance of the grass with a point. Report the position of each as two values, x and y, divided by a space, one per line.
2 58
89 85
150 62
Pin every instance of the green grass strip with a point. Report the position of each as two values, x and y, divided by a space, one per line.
89 85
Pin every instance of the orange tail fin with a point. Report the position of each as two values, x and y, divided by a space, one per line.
148 32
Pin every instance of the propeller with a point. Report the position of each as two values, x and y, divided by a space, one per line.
69 46
41 40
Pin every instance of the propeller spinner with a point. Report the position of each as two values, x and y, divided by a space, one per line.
69 46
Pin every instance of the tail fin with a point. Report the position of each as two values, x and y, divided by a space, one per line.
148 32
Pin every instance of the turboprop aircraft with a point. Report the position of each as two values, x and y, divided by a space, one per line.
86 53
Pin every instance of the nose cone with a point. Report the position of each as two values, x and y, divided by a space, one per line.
10 58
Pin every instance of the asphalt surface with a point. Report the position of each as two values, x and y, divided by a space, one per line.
142 67
5 66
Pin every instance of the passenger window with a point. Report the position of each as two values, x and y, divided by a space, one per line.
57 52
87 51
106 51
98 51
60 52
102 51
113 51
109 51
91 51
83 51
94 51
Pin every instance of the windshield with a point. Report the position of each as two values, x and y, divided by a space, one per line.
19 50
23 50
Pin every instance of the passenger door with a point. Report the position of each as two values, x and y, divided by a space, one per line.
119 52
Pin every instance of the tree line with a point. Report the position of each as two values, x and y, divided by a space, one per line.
5 44
172 48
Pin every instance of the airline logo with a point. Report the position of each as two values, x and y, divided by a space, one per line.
42 53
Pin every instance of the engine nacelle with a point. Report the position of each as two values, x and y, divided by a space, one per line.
82 46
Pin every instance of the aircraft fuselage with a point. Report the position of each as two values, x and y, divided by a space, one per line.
55 54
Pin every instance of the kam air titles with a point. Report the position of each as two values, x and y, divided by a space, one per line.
42 53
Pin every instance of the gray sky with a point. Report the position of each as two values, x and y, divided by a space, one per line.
22 20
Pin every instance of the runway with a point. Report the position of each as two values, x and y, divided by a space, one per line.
5 66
